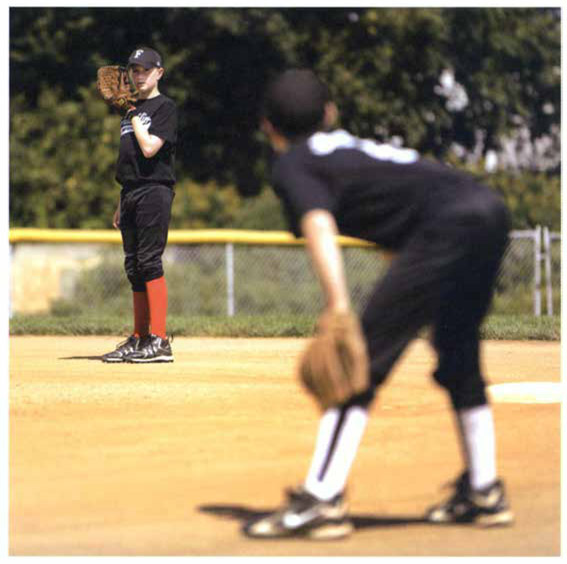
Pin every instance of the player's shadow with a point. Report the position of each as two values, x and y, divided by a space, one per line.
99 358
245 514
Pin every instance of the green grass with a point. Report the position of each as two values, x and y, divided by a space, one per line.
238 326
522 328
499 327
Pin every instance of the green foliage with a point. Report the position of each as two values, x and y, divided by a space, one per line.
262 212
383 69
62 158
533 198
199 206
382 65
509 61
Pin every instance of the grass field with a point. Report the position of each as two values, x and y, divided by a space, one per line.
496 327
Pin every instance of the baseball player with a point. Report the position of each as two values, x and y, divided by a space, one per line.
447 235
145 170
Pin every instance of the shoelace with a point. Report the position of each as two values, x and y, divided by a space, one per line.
125 342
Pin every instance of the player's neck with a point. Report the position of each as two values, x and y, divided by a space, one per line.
152 94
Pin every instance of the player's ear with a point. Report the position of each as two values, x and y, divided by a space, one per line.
331 115
277 140
266 126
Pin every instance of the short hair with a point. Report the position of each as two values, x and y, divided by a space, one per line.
295 101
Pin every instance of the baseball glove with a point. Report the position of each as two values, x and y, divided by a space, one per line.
335 365
116 87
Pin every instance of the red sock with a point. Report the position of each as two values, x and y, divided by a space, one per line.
141 314
157 300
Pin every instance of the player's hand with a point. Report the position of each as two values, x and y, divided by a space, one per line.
116 218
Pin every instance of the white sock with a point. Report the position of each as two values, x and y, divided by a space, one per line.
339 435
476 426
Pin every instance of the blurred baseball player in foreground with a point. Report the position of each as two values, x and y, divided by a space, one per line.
145 170
448 235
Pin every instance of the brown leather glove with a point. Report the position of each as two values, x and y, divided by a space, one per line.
117 88
335 365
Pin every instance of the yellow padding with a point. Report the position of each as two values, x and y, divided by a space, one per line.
182 236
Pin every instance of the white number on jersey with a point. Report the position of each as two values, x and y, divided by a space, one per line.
326 143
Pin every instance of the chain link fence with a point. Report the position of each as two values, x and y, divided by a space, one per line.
552 258
232 278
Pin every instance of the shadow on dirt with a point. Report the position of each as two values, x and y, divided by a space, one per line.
245 514
99 358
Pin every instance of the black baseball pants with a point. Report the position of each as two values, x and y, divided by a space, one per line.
444 278
145 213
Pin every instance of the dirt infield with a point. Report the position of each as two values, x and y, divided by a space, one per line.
170 459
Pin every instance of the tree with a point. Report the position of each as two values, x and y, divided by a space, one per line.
62 157
435 79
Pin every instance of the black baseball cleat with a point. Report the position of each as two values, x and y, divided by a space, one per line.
154 349
123 349
304 516
486 508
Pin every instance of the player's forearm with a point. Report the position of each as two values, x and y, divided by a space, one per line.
149 144
320 231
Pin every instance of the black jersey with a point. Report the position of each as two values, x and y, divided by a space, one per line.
159 116
376 192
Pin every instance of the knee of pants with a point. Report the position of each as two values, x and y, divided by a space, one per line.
151 271
134 276
136 282
465 389
361 400
150 265
365 398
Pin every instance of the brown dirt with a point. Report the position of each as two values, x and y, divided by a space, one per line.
170 459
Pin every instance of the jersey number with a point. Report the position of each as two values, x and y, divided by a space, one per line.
326 143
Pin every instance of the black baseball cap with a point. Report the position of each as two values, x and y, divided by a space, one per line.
145 57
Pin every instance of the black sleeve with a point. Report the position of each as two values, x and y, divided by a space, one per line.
164 122
301 190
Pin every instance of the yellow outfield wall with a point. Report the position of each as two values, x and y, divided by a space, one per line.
181 236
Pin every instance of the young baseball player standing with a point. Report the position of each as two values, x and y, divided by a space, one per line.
145 170
448 235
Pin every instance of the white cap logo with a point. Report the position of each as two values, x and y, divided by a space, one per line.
138 53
